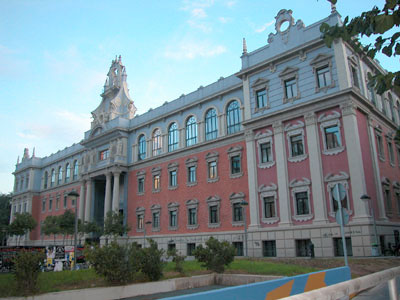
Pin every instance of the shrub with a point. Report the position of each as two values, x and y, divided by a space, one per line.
113 262
27 269
216 255
177 259
150 260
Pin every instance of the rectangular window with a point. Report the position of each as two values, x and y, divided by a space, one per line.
302 207
354 75
237 212
65 201
190 248
332 137
324 77
156 220
302 247
103 155
57 203
192 174
269 207
391 153
212 170
156 182
266 155
25 207
50 204
296 144
73 202
239 248
43 205
261 98
379 143
388 199
141 185
192 216
291 88
338 247
173 218
140 221
213 214
173 178
235 164
171 247
269 248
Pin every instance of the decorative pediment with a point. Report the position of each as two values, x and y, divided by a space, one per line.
191 160
173 165
385 181
173 205
378 128
140 209
235 196
327 117
336 177
267 188
192 202
390 135
288 71
320 58
155 207
296 182
235 149
96 131
141 173
396 185
293 126
156 170
212 155
263 134
260 82
213 199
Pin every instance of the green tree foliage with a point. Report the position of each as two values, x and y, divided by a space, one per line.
5 211
51 226
114 225
22 224
177 259
216 255
66 223
375 22
150 260
27 269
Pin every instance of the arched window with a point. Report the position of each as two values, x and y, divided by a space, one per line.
211 124
142 147
67 172
173 137
60 174
157 142
191 131
233 117
53 177
45 179
76 170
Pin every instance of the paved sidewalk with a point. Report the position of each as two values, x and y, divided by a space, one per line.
380 292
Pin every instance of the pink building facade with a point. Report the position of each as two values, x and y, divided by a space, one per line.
279 135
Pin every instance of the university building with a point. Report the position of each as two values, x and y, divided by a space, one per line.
297 119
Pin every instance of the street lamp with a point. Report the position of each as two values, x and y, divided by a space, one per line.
243 204
144 233
367 199
74 195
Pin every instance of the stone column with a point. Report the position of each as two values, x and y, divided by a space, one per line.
222 123
356 168
201 131
107 198
316 169
254 203
282 174
88 200
164 141
81 211
182 138
246 96
115 201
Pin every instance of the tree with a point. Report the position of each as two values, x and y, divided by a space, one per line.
27 270
66 223
5 211
22 224
51 226
216 255
114 225
374 22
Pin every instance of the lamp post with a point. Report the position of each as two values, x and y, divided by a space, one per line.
243 204
144 233
75 195
367 199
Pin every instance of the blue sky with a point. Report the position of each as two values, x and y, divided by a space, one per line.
54 57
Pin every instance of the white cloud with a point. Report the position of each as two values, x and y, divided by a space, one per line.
230 3
199 13
193 49
264 27
11 66
203 26
224 20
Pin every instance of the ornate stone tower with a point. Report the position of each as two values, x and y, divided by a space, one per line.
116 101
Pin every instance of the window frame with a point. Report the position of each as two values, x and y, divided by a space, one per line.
212 157
191 131
156 179
191 163
236 199
266 191
292 130
328 121
173 208
75 172
301 186
354 73
322 61
290 74
233 117
140 176
388 201
214 201
192 204
44 201
155 210
67 172
140 214
389 145
142 147
156 142
331 180
261 139
173 167
233 152
261 85
211 124
379 144
104 154
60 175
173 137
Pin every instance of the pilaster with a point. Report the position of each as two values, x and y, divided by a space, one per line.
246 98
115 200
81 212
107 198
88 200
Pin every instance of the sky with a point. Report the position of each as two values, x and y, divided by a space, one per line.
55 55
